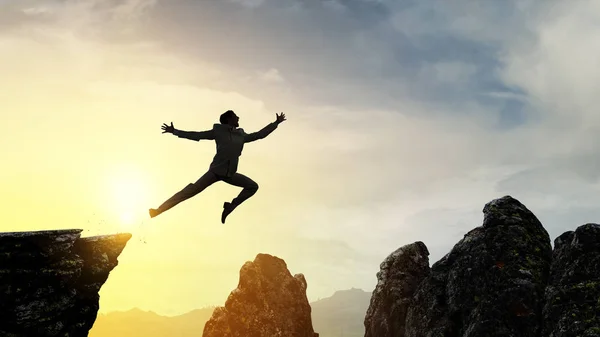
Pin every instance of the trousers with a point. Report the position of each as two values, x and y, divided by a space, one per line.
249 189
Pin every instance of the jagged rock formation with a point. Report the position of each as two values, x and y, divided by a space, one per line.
49 281
268 302
573 294
491 283
400 274
501 279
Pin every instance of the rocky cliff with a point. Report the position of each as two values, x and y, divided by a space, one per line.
49 281
399 275
268 302
501 279
572 306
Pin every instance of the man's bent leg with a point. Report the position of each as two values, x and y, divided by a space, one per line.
249 187
187 192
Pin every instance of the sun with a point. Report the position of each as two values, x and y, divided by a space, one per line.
128 218
128 194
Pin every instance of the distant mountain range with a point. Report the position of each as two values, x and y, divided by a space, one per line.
342 314
138 323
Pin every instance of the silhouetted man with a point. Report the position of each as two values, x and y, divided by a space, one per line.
230 141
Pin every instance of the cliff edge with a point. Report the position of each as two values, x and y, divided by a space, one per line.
49 280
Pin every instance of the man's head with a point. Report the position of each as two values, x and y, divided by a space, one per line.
230 118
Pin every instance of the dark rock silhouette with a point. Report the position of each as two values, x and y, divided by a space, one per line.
573 293
49 280
401 272
491 282
501 279
268 302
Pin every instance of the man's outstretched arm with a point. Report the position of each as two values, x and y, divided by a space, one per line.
250 137
192 135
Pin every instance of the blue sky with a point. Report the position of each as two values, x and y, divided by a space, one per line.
404 118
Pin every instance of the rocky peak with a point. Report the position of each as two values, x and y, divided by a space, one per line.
501 279
268 302
400 273
492 280
572 305
49 280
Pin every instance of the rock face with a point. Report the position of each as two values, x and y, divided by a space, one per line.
49 280
268 302
491 283
501 279
400 274
573 294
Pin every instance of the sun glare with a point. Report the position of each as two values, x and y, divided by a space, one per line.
128 193
128 218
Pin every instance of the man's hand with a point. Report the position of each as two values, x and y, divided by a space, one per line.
168 128
279 118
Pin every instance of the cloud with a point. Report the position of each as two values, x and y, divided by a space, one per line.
272 75
556 71
249 3
88 19
133 8
35 11
364 59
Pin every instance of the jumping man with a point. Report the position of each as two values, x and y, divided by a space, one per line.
230 141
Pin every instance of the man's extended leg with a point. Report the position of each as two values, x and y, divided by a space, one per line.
187 192
250 188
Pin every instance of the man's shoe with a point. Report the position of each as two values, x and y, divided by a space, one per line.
227 209
153 212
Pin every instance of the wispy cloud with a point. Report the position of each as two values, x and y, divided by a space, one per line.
272 75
